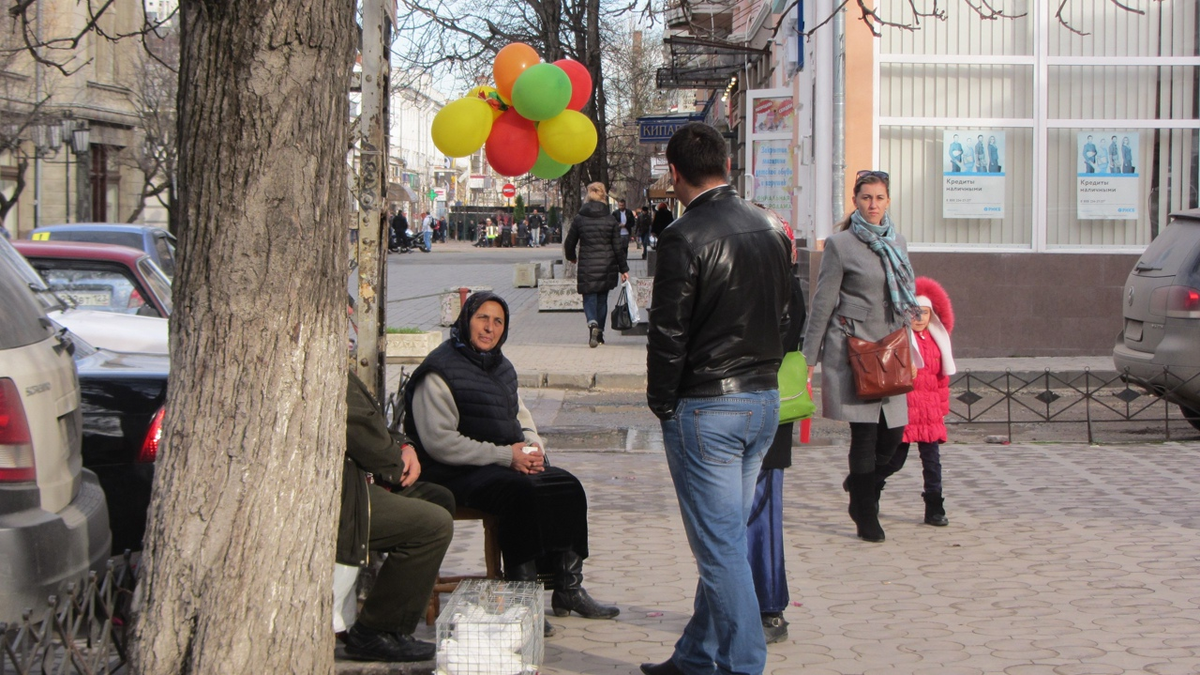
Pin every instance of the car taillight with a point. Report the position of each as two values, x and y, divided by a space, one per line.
1175 301
16 444
135 300
149 450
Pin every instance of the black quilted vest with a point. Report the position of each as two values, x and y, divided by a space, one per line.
486 398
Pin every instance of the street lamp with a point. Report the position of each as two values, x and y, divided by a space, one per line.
78 137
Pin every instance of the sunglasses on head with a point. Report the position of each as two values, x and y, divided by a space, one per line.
882 175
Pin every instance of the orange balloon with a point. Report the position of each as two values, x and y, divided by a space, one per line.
509 64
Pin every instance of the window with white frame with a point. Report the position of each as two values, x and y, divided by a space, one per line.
1100 125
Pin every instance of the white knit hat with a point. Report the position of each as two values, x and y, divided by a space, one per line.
941 337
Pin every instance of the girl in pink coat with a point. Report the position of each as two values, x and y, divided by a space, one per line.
929 401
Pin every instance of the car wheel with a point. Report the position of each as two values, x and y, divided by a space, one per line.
1191 415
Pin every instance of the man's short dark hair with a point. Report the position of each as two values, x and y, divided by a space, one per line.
698 152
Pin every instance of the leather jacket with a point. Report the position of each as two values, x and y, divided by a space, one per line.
719 309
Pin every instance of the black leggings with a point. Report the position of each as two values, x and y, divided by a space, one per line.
872 445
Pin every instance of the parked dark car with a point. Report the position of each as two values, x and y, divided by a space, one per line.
122 397
101 276
154 241
1159 345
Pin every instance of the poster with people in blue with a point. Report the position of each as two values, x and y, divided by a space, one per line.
973 173
1107 175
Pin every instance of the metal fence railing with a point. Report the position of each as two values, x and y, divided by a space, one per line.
82 631
1089 399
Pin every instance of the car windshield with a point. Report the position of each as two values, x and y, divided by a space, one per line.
22 321
160 285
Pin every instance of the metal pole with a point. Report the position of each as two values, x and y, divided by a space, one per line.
37 99
372 164
839 115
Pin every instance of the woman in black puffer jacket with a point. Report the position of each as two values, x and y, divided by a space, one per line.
596 236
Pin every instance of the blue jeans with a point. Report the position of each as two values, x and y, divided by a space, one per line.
595 308
428 240
764 536
715 447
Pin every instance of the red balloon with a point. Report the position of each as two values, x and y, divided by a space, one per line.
512 147
581 82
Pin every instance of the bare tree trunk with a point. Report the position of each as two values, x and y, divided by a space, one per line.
237 569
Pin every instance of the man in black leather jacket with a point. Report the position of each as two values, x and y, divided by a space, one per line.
717 319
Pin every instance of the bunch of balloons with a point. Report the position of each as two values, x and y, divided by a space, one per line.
529 122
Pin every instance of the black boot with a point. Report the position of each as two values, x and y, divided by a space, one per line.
569 595
593 335
864 506
527 571
935 512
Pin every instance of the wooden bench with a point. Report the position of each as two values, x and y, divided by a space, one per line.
491 559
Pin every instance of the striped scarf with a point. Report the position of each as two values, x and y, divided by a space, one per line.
900 278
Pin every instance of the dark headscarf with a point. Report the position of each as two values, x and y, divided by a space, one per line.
460 332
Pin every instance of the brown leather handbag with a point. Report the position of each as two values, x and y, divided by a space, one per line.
882 368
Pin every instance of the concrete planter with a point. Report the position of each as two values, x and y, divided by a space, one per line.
450 304
559 295
526 275
411 347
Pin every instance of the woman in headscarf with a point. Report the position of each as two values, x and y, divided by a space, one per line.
474 435
865 288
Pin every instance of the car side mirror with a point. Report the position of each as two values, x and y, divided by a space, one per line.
148 310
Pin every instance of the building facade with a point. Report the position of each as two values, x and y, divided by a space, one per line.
70 127
1032 157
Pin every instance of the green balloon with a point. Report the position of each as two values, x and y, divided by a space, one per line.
546 168
541 92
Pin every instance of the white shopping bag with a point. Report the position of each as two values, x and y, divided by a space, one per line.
345 599
631 300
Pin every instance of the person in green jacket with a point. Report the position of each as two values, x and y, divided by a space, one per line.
385 509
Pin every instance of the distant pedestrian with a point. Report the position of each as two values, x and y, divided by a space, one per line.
535 229
719 309
662 218
427 230
595 242
929 401
642 227
626 220
865 289
399 232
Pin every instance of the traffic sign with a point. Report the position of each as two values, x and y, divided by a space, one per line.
432 195
509 190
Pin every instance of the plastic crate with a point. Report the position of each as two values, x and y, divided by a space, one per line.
491 627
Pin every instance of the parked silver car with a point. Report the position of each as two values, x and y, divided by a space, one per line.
53 515
1159 345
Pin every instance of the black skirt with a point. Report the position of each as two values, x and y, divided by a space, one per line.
539 514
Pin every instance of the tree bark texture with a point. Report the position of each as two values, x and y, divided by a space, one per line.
237 569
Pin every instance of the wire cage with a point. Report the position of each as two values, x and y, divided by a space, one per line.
491 627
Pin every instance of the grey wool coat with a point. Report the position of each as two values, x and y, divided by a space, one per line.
850 285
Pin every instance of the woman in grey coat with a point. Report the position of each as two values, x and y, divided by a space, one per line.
865 288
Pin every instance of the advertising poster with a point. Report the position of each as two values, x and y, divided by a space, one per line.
774 114
773 173
1107 175
973 173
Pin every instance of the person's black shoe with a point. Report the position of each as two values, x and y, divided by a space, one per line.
368 644
665 668
774 628
593 335
935 510
577 600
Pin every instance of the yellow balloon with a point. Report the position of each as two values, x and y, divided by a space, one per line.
490 96
569 137
462 127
